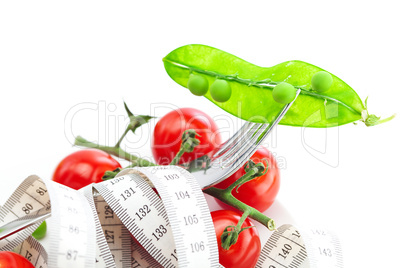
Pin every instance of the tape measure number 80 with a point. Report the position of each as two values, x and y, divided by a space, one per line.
123 223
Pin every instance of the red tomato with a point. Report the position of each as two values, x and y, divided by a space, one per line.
84 167
260 192
247 249
166 138
10 259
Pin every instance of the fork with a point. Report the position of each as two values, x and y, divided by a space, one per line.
236 151
225 160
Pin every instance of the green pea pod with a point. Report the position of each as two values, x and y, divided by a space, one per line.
252 86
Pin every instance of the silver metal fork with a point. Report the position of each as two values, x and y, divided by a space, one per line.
225 160
235 152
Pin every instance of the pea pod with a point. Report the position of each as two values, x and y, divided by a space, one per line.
252 87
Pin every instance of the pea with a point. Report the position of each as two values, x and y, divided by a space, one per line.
40 232
321 81
220 90
284 93
198 85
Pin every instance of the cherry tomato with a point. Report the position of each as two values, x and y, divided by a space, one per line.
166 138
10 259
247 249
84 167
260 192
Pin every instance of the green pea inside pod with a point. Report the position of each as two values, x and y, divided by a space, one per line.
40 232
220 90
284 93
321 81
198 85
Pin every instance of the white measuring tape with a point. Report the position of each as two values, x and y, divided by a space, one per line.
123 223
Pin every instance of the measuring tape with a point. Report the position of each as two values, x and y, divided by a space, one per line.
123 222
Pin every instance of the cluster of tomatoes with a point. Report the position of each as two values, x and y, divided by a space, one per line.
259 193
88 166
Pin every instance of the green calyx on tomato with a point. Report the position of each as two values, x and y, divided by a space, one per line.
231 233
84 167
189 140
40 232
253 171
12 260
111 174
188 143
246 251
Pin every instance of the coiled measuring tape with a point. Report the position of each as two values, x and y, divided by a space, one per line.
124 223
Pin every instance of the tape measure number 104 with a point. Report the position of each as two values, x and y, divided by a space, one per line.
124 222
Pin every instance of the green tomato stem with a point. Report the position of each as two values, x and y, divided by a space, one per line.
108 175
122 136
242 219
179 154
252 171
251 174
116 151
231 233
226 196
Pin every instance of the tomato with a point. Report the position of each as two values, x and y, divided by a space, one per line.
260 192
247 249
10 259
84 167
166 138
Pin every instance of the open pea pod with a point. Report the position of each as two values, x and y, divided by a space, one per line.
252 87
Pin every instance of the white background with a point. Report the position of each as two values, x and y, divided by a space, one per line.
66 67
